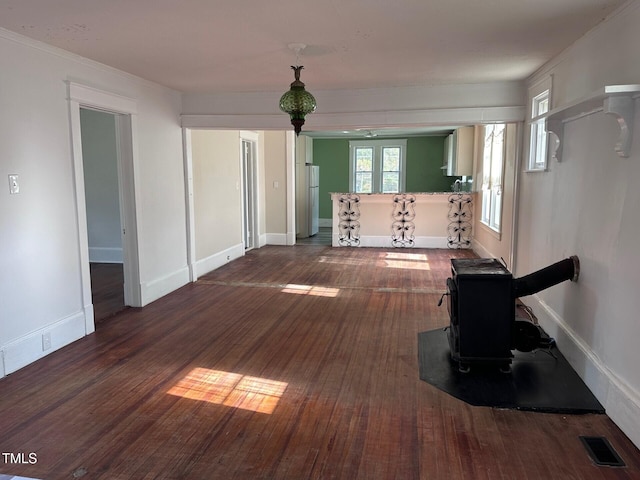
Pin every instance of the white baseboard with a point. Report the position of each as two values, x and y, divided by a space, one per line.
385 241
620 400
325 222
262 240
2 370
29 348
480 250
160 287
105 255
219 259
276 239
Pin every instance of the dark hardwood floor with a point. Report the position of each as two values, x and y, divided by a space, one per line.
323 237
107 289
288 363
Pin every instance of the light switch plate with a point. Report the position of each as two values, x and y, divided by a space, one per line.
14 186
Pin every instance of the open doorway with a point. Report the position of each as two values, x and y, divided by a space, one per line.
123 112
248 151
102 199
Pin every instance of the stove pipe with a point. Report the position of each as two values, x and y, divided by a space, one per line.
567 269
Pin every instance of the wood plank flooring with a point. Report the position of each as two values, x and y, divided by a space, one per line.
289 363
323 237
107 289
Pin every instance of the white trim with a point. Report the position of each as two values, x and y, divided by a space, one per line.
2 370
290 162
253 138
160 287
81 214
276 239
490 230
189 203
219 259
384 241
100 99
105 255
80 96
515 204
28 348
621 400
333 121
262 240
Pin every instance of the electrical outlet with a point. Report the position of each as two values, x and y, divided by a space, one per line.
46 341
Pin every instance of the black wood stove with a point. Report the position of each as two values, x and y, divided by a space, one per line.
482 296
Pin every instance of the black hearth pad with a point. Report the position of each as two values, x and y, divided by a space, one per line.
537 381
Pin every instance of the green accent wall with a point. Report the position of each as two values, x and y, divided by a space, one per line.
424 159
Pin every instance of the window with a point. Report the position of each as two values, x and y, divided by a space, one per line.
492 167
377 166
540 102
538 141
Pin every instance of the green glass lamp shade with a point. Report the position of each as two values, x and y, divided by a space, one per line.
297 102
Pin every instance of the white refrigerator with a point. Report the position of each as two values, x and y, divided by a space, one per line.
313 197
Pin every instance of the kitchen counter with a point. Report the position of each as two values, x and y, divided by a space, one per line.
420 220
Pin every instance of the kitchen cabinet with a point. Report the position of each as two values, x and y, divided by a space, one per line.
458 153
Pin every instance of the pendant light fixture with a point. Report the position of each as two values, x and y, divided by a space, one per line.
297 102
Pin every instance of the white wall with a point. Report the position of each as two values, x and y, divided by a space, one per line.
587 204
99 155
39 254
275 180
217 197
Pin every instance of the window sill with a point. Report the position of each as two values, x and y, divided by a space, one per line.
492 231
536 170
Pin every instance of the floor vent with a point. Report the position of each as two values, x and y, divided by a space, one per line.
601 451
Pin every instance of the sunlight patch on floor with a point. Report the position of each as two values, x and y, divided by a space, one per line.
230 389
410 261
342 260
311 290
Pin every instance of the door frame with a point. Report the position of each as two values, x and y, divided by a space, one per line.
125 111
250 183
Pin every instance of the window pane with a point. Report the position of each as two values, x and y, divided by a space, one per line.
497 155
363 182
364 159
540 104
543 106
390 159
496 201
390 182
486 205
540 145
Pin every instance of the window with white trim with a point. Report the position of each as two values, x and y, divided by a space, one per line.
377 166
539 106
492 168
538 139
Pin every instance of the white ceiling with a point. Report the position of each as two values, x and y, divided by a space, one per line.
242 45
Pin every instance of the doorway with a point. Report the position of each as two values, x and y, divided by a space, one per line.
123 112
248 152
103 207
